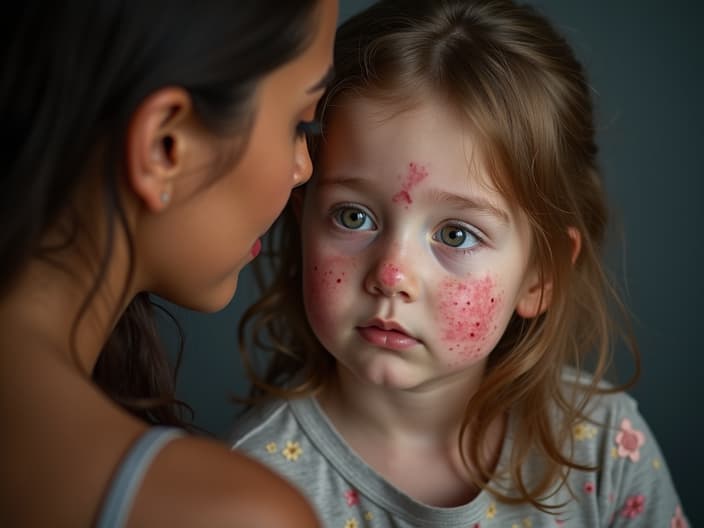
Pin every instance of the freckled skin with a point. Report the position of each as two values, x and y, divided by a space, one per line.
400 271
466 314
416 174
323 282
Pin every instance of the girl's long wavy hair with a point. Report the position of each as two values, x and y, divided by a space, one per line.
518 83
73 75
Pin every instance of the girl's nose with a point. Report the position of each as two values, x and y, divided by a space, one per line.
391 278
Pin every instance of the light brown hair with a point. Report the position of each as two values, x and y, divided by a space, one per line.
518 83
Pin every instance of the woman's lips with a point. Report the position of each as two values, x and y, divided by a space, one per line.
256 248
391 339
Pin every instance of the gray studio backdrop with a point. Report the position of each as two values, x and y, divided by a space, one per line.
645 64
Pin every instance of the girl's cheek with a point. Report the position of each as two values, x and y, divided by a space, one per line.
324 283
468 312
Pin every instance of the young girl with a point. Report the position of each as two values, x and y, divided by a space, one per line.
440 294
146 146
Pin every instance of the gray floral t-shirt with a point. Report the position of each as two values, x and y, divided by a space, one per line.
632 489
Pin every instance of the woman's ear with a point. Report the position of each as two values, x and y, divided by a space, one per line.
155 146
538 290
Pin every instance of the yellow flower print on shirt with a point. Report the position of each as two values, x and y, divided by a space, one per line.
292 451
491 511
583 431
271 448
351 523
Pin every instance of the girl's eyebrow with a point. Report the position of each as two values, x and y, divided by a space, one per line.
476 203
443 198
324 81
344 180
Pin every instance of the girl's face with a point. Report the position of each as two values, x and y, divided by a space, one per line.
412 263
213 228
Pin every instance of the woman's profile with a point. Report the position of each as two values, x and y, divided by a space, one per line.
146 148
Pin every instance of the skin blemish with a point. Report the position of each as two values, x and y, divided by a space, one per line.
390 274
324 281
402 197
467 310
416 174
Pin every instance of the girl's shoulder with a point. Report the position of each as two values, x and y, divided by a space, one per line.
602 403
632 482
258 421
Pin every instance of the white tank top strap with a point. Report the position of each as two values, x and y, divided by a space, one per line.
128 477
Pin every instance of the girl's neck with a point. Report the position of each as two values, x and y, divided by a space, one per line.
431 413
402 434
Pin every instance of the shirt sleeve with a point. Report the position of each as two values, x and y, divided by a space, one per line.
639 491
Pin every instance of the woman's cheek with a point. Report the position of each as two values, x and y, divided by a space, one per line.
468 313
325 280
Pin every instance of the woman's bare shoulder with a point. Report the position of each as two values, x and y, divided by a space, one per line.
63 441
195 481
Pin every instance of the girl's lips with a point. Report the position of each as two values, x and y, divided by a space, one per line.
256 248
391 339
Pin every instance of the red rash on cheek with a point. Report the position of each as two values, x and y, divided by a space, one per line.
467 312
416 174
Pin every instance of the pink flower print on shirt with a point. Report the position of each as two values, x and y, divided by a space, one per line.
352 497
629 441
589 487
635 504
678 521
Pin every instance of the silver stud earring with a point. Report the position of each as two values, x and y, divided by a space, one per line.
165 197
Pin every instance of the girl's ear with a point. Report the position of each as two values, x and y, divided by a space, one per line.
155 146
576 238
536 297
538 294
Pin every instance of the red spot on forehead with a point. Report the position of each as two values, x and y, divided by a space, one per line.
402 196
416 174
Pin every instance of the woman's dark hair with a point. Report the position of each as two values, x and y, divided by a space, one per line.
73 75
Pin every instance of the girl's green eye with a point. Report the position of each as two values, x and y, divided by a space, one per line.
456 237
452 236
352 218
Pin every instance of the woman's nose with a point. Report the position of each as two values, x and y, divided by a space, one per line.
392 278
303 166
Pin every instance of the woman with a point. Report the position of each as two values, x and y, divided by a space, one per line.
146 148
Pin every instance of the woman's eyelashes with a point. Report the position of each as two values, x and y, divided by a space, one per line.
308 128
